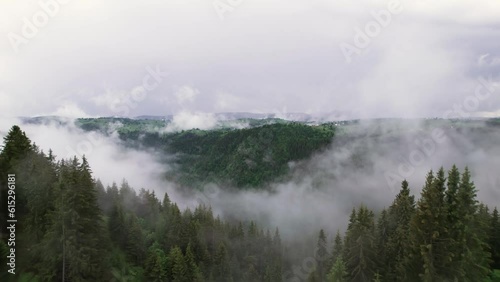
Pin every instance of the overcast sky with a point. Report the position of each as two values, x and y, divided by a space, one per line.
147 57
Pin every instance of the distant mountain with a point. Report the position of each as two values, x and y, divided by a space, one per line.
300 117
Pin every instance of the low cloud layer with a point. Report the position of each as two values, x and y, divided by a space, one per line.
259 56
187 120
321 191
110 160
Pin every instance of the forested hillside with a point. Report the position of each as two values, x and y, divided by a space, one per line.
246 157
241 157
72 228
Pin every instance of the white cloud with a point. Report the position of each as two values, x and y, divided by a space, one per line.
69 110
189 120
488 60
186 94
228 102
282 59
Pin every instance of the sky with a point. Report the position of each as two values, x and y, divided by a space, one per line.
190 58
367 59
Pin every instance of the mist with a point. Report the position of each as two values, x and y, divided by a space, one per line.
323 191
361 166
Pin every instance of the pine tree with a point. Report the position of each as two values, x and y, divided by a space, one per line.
193 273
321 256
494 239
116 225
338 271
277 261
428 229
156 264
471 237
178 265
221 264
454 223
397 254
16 147
337 250
77 222
352 221
360 247
381 239
134 241
35 177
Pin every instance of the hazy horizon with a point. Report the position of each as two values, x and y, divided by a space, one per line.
399 59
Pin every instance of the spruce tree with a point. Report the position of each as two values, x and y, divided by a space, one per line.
193 273
381 239
178 265
221 265
156 264
428 229
471 237
337 249
321 256
16 147
494 239
400 213
454 222
75 245
360 247
338 271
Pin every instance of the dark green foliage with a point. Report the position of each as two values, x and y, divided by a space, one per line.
246 157
338 272
72 228
381 240
429 233
177 265
337 249
322 258
156 264
494 239
16 148
360 247
397 251
193 272
75 243
472 234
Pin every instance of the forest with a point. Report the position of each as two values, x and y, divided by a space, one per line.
71 227
249 157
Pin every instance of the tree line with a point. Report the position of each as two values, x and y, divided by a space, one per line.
72 228
447 235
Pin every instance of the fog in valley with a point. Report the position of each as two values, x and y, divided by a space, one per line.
365 164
